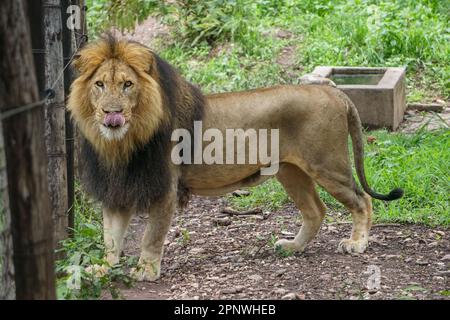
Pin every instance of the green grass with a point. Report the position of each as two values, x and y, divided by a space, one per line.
417 163
352 33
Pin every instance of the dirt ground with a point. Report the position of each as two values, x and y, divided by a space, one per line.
210 255
232 258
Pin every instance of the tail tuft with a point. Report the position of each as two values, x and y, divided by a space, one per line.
395 194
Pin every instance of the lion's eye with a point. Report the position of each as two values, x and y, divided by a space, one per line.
127 84
99 84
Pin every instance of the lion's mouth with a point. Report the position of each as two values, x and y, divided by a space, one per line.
114 120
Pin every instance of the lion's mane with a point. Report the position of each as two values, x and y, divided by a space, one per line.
134 172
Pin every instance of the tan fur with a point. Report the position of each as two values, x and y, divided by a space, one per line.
314 123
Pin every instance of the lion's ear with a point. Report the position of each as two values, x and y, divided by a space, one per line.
90 57
76 62
152 68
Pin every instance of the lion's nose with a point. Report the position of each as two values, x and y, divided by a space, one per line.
115 110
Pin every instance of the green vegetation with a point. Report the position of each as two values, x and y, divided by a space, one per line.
83 273
233 45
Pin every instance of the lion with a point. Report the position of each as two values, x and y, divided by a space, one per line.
126 101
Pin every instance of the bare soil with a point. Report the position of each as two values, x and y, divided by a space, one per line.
236 259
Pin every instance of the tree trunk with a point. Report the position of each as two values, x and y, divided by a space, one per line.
7 287
55 119
31 220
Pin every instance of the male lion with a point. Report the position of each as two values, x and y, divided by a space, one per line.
127 101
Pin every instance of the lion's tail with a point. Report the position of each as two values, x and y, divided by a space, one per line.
355 129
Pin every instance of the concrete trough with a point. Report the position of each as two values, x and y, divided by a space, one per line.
378 93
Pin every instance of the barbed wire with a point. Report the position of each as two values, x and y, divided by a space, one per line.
49 93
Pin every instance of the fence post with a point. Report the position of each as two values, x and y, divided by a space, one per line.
55 126
29 201
69 47
7 286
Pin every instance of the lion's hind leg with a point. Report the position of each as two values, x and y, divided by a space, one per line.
344 189
301 188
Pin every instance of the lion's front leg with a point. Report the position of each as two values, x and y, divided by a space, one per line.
115 225
160 218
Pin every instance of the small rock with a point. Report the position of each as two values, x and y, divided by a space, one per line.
195 285
280 272
233 290
332 229
289 296
432 244
446 257
240 193
255 277
325 277
393 256
222 221
422 262
439 279
439 232
300 296
280 291
293 296
408 260
196 251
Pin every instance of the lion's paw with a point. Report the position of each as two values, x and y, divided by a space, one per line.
112 259
288 246
146 272
352 246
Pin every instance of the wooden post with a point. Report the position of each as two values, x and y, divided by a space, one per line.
79 42
29 201
7 286
55 118
68 50
35 18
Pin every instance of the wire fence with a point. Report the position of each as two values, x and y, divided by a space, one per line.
49 93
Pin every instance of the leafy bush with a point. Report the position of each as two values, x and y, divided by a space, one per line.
213 20
124 14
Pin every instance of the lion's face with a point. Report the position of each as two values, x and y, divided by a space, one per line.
114 93
116 99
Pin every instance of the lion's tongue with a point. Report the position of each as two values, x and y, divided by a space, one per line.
114 119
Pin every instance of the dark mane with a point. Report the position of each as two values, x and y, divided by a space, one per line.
146 178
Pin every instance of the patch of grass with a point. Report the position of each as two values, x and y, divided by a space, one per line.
445 293
351 33
417 163
83 273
